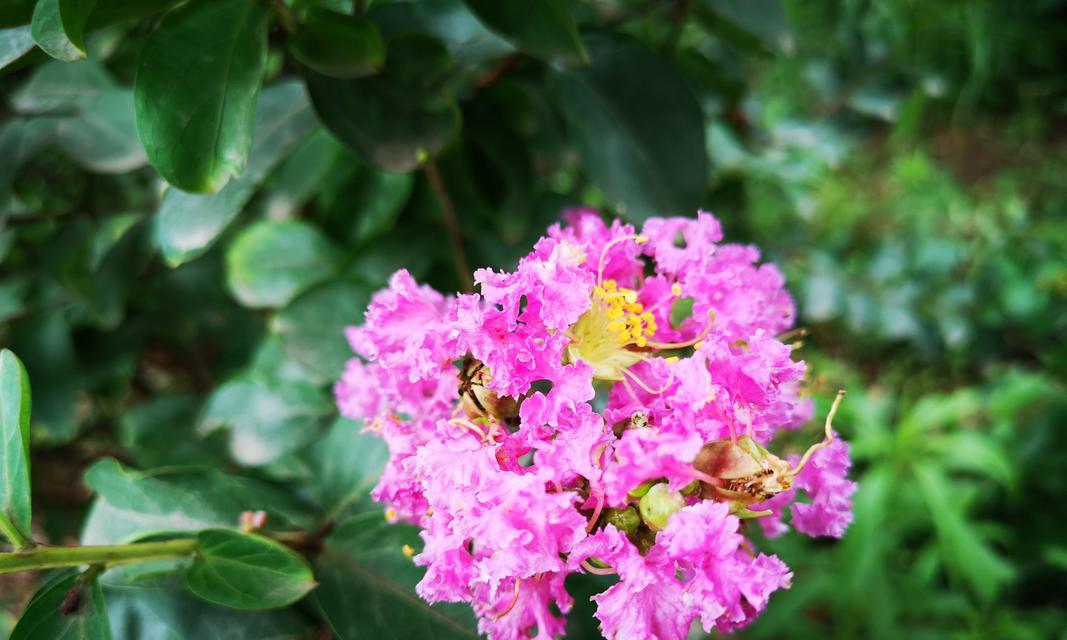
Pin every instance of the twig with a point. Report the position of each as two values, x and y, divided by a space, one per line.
448 212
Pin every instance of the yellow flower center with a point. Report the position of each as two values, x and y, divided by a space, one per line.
603 335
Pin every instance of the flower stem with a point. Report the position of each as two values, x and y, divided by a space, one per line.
53 557
448 212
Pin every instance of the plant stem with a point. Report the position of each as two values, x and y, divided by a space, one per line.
12 533
53 557
448 212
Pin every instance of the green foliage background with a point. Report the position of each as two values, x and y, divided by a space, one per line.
904 162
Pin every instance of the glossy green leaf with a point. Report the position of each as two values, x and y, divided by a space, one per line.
468 41
247 571
338 44
59 27
311 328
398 118
187 224
196 91
347 463
15 42
15 403
132 504
638 128
365 555
65 608
103 136
542 28
266 420
174 614
270 263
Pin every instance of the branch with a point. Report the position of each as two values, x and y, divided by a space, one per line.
55 557
448 212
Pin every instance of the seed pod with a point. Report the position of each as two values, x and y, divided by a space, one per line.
747 472
477 400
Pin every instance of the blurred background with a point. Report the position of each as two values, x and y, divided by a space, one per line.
904 162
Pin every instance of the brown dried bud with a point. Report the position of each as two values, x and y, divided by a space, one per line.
746 472
477 400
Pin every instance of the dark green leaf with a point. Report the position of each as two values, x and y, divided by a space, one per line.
15 436
187 224
347 465
247 571
381 197
270 263
164 614
266 420
302 174
59 27
638 127
47 616
103 136
47 346
311 328
365 555
467 39
162 432
133 504
338 45
196 90
395 119
764 19
542 28
14 43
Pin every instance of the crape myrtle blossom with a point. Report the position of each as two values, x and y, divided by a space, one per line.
607 407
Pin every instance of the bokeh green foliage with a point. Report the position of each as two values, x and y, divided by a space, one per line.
903 162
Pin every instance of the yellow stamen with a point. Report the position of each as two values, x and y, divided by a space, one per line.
408 550
827 439
676 289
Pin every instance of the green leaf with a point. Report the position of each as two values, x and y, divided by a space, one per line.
247 571
347 465
59 27
133 504
301 175
964 551
187 224
162 432
270 263
365 555
338 44
196 90
14 43
681 310
764 19
165 614
638 128
48 347
381 198
65 608
398 118
311 328
102 137
266 420
469 42
15 434
542 28
58 86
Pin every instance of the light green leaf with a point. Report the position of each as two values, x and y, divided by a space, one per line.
398 118
270 263
542 28
46 617
102 137
365 555
133 504
266 419
247 571
14 43
187 224
196 91
638 128
58 27
311 328
15 457
338 44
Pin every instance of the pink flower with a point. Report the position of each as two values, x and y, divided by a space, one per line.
554 423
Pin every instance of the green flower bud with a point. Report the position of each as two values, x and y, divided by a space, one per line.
659 504
625 520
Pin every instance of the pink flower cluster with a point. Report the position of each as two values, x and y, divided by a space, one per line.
561 421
